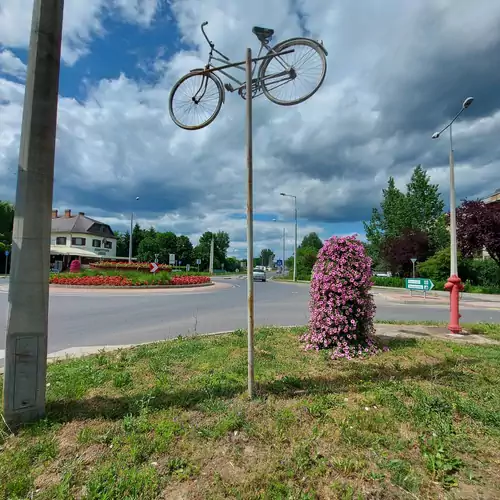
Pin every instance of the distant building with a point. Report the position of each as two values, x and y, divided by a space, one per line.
79 237
493 198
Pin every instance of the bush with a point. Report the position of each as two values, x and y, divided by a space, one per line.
341 306
107 278
125 266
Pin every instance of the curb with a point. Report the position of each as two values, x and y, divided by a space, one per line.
145 287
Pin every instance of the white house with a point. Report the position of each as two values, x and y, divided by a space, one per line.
79 237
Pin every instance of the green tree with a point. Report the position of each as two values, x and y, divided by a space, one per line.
221 244
148 248
312 240
266 257
122 242
184 250
419 209
424 202
6 223
232 263
167 244
137 236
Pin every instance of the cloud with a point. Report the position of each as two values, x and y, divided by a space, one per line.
397 71
82 21
11 65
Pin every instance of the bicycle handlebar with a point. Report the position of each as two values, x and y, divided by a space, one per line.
212 45
205 35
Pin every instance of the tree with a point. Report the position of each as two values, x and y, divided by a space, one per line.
167 244
312 240
137 236
266 257
232 264
478 229
122 243
424 203
398 251
390 220
148 248
6 222
184 250
221 244
419 210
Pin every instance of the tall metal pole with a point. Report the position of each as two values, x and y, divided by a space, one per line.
454 284
130 239
295 244
27 329
211 259
284 256
453 213
250 296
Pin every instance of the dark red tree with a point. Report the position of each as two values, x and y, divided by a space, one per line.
478 229
398 251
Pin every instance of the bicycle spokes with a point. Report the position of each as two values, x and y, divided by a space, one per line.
197 100
291 78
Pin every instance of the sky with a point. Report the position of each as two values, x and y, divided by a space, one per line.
398 70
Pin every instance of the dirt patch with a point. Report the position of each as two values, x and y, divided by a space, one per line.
47 480
67 438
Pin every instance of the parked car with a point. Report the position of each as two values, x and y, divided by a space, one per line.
259 275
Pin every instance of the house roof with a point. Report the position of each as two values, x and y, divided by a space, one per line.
81 224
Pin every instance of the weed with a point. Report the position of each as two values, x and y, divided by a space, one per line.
122 379
439 462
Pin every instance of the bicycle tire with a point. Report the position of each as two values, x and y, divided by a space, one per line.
177 85
288 44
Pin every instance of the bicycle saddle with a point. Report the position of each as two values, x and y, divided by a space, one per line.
262 32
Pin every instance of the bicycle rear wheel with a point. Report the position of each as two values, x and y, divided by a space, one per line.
293 78
195 100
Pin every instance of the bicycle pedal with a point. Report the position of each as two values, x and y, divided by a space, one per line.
229 87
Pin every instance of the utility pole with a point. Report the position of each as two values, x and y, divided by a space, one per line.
212 248
130 241
250 287
27 329
284 241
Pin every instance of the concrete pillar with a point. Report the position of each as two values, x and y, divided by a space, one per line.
27 331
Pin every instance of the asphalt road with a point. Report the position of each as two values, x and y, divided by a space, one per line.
97 318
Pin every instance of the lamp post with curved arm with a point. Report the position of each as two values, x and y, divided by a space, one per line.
454 284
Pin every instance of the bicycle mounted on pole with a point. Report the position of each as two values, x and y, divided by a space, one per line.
202 91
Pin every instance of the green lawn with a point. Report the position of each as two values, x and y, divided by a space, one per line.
171 420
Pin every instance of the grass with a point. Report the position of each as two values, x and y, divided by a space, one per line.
171 420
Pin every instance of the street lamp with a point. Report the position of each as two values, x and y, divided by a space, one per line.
454 284
284 242
131 230
295 242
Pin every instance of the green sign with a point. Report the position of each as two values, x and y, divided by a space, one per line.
420 284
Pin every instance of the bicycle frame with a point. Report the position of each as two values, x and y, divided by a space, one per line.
210 68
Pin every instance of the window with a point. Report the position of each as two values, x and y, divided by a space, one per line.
78 242
96 243
61 240
108 244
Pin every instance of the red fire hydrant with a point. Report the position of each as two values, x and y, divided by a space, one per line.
454 285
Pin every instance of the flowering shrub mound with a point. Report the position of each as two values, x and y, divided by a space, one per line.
189 280
75 266
103 280
125 266
341 306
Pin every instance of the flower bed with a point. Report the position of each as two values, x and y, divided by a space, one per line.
125 266
123 281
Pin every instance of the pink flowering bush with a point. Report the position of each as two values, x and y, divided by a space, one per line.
341 306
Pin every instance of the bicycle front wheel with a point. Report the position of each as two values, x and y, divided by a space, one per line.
293 78
195 100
